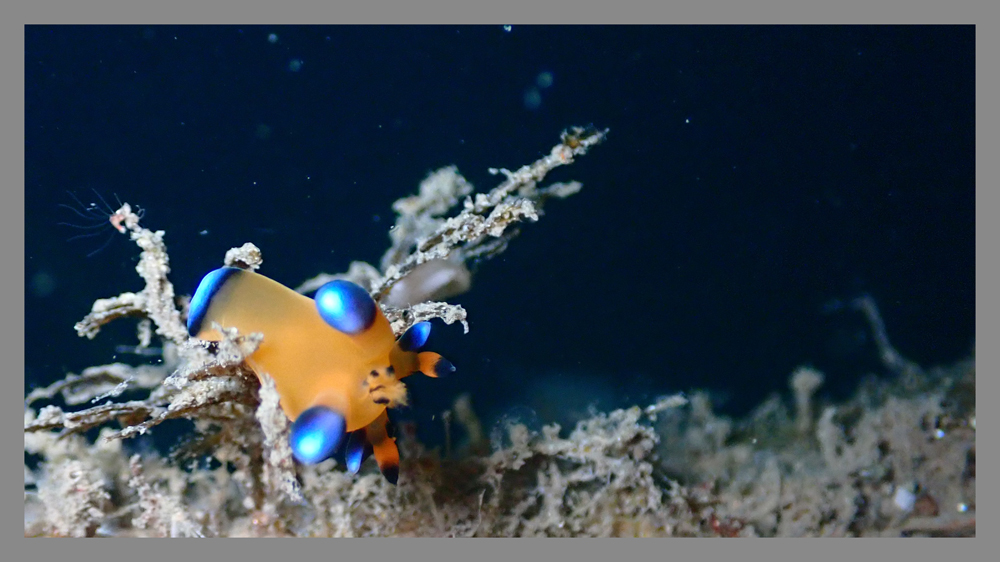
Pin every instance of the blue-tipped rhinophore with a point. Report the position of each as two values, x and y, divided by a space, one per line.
443 368
415 337
355 450
345 306
316 434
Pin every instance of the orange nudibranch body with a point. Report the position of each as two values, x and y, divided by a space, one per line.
334 359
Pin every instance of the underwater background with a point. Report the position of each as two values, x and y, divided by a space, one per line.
754 179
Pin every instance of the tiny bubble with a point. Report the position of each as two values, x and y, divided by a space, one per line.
43 284
532 98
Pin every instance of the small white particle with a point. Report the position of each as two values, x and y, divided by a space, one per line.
904 499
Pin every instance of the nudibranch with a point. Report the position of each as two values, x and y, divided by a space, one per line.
334 359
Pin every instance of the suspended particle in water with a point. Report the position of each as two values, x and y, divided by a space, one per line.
544 80
532 98
42 284
272 38
295 65
508 28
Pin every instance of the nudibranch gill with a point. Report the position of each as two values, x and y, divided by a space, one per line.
334 359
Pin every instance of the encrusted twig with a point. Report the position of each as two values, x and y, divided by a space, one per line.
96 383
74 499
52 417
188 392
484 217
155 301
431 249
279 465
195 398
892 359
401 319
159 510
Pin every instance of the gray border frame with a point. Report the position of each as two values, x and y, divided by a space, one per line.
457 11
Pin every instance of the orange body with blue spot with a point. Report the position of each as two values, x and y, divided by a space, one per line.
354 374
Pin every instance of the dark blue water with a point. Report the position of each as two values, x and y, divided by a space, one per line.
751 177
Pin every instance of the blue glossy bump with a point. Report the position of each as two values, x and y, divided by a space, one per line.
345 306
210 284
415 337
316 434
